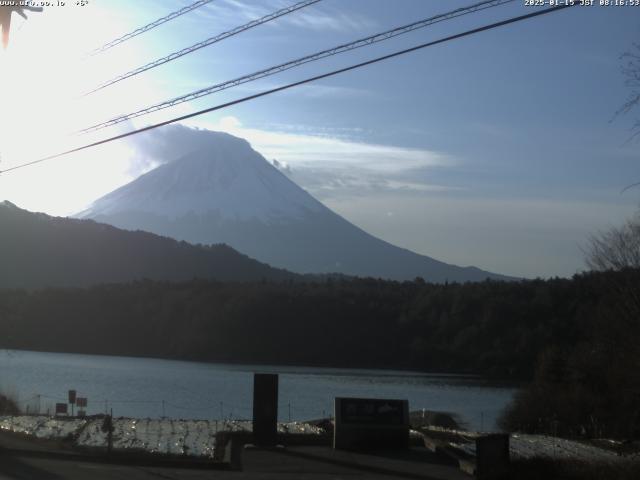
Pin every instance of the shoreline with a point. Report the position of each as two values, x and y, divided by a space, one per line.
292 369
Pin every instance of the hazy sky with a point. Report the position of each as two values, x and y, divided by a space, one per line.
498 150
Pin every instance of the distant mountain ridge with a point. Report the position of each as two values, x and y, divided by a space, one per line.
223 191
37 251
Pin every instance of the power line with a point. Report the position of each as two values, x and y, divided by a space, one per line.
379 37
205 43
294 84
146 28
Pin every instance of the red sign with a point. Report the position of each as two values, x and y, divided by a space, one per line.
81 402
61 408
72 396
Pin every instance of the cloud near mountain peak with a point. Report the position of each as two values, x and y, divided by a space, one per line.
323 163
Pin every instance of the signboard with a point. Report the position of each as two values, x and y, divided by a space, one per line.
373 411
72 397
61 408
371 424
81 402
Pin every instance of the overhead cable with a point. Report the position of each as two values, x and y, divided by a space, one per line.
205 43
379 37
292 85
146 28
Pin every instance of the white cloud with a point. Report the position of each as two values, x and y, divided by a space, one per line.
329 165
310 90
300 150
335 132
317 17
331 20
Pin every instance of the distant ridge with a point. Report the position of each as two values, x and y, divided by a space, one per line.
37 250
220 190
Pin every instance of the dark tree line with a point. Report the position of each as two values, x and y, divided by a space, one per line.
494 328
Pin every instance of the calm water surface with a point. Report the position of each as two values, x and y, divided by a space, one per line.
142 387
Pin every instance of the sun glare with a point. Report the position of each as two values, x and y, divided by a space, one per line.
43 73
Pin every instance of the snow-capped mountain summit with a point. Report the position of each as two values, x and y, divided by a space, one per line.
224 177
220 190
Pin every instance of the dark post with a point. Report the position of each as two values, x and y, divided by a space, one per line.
265 409
72 400
110 433
107 427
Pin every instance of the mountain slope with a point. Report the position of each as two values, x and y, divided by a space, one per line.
222 191
37 251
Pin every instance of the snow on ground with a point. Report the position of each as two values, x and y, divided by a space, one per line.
524 446
300 428
197 437
42 426
530 446
165 436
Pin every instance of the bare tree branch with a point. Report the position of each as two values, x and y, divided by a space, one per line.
617 248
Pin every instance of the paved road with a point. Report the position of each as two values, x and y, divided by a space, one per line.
25 459
22 468
257 465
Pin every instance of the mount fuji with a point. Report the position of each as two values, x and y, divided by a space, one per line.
220 190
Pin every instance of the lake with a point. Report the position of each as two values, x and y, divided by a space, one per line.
145 387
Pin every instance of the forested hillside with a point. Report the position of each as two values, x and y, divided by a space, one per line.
494 328
38 251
